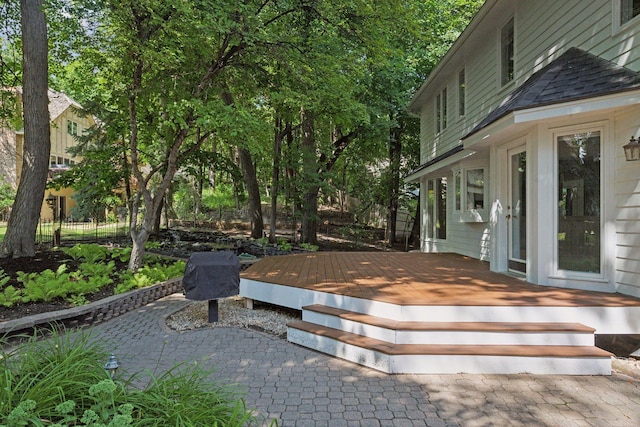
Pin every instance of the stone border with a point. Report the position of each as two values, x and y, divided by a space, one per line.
92 313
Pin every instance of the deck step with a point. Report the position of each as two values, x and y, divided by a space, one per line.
441 358
454 333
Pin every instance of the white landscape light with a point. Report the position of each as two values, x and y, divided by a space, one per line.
112 366
632 150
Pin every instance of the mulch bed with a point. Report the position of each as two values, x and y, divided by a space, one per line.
43 260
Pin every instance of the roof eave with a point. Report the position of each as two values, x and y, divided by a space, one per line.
553 111
457 156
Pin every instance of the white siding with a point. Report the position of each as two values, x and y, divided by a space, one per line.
544 30
627 202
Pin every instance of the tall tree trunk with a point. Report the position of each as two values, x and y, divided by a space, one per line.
253 190
311 188
157 222
19 240
395 151
275 179
250 177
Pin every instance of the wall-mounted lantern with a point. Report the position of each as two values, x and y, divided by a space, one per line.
51 201
632 150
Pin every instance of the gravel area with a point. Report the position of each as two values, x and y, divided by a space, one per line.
232 312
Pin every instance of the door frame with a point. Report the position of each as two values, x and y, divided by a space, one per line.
500 226
510 213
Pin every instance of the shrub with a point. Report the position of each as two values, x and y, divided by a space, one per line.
60 382
94 273
91 252
148 275
309 247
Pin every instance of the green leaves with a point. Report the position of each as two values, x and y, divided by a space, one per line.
97 270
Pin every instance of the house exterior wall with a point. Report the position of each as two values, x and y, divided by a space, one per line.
11 147
627 207
61 141
8 156
543 30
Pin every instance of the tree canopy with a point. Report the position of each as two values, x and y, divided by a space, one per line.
304 97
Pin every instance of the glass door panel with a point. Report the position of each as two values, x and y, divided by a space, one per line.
517 210
579 219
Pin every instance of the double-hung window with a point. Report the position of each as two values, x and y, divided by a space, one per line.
441 111
462 93
72 128
507 50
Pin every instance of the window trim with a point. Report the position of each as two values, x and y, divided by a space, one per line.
616 18
462 92
432 231
441 111
463 212
509 64
72 127
604 268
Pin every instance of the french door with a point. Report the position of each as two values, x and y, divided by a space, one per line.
517 209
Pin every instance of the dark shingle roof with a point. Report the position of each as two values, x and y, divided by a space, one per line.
574 75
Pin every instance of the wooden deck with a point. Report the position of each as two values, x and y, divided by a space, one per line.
438 313
419 279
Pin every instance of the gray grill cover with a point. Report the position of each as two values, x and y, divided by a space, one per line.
211 275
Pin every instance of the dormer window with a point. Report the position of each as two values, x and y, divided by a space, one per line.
507 53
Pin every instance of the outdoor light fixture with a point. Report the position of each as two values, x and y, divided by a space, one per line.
51 200
112 366
632 150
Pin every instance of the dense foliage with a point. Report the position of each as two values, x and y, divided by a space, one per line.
60 381
96 270
298 103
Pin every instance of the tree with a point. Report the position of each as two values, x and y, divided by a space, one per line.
163 64
19 240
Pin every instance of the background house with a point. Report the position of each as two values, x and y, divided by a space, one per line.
67 122
523 124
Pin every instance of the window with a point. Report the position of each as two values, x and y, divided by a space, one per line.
72 128
457 183
60 162
475 189
470 190
462 93
579 195
629 9
437 208
507 53
441 111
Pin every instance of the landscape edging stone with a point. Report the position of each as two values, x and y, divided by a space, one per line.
94 312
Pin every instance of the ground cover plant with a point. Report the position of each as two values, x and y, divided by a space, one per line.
60 381
75 276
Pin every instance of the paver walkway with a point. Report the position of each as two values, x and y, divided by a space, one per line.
300 387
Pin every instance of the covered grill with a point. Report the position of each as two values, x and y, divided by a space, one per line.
211 275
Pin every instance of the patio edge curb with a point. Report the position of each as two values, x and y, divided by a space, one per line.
92 313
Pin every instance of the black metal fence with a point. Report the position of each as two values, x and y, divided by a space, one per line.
54 233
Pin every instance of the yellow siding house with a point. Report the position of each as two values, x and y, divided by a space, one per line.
66 123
